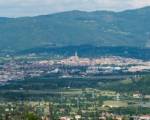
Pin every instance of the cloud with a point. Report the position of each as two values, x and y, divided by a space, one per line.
139 3
13 8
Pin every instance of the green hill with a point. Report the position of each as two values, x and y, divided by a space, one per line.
100 28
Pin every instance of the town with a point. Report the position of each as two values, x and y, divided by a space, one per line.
73 66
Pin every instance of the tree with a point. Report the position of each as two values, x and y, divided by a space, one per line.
31 116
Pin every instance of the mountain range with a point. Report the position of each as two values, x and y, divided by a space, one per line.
129 28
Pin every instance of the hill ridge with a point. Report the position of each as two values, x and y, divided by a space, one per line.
98 28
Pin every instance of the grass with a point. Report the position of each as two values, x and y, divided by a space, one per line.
126 82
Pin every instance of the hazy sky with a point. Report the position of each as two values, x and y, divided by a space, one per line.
15 8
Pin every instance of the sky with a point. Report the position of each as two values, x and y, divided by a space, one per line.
19 8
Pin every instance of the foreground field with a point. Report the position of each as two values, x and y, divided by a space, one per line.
86 97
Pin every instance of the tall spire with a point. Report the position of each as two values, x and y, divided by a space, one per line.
76 54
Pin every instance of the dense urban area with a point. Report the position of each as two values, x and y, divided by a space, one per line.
73 66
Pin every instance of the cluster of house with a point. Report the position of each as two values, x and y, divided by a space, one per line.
129 64
107 116
14 70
